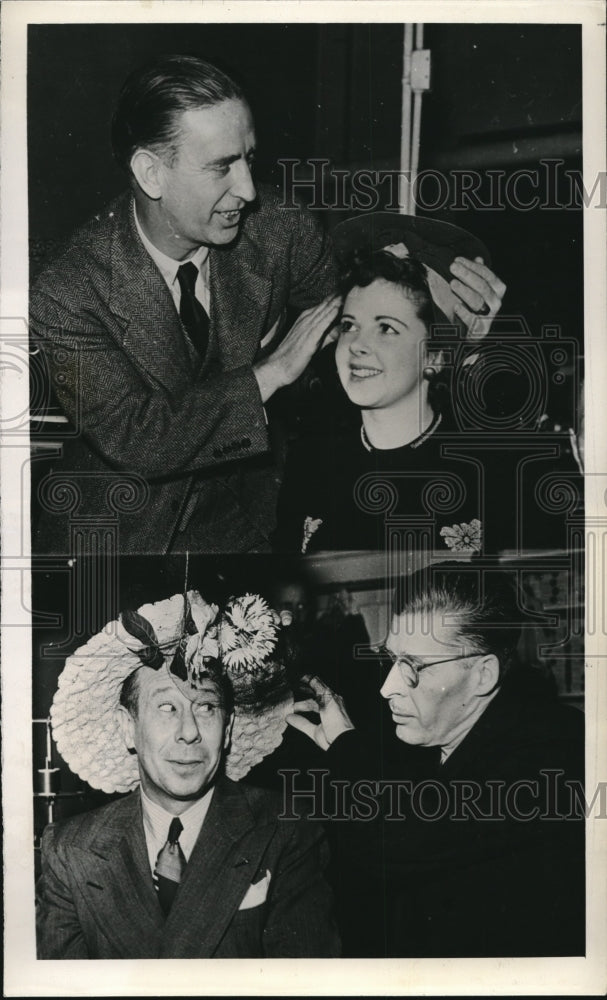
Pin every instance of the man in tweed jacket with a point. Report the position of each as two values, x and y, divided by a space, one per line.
167 447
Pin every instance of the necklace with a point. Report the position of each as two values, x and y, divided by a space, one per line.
412 444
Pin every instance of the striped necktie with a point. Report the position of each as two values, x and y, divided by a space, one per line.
192 313
170 866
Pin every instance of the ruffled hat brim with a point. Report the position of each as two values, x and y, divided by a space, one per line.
84 713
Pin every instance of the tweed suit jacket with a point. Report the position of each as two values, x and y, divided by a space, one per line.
153 435
95 897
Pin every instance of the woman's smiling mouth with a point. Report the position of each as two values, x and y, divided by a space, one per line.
358 371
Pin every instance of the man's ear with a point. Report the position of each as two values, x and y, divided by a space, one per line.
147 168
127 727
488 668
228 731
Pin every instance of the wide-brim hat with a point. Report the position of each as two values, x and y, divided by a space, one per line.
240 640
434 243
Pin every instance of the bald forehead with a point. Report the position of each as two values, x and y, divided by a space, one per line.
150 683
154 681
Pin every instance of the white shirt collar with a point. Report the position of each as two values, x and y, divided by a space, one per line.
156 823
167 266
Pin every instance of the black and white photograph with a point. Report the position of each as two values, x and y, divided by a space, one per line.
381 783
304 482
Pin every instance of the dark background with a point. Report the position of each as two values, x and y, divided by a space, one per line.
503 96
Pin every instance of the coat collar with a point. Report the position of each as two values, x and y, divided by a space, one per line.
240 299
114 875
139 296
140 299
502 717
222 866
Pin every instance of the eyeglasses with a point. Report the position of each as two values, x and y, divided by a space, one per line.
410 668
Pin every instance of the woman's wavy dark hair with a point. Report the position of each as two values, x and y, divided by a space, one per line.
363 267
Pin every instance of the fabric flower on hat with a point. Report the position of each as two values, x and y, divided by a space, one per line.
248 631
202 644
181 635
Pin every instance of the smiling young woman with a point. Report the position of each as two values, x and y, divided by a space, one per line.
390 370
410 364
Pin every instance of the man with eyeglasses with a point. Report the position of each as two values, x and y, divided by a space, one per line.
476 843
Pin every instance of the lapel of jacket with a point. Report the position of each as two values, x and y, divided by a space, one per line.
139 297
240 298
486 731
220 870
115 878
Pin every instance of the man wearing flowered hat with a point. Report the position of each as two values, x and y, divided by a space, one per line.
190 864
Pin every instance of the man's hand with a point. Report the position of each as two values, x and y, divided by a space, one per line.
334 719
295 352
481 293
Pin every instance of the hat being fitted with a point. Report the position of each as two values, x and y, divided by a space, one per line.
189 639
434 243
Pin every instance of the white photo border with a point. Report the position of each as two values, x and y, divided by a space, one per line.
24 975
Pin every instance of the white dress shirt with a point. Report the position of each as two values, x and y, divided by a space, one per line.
169 267
156 823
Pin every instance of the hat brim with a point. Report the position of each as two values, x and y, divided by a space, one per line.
431 241
84 713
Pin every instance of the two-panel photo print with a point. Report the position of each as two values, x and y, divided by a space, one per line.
303 508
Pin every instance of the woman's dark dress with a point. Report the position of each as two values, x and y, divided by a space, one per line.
450 490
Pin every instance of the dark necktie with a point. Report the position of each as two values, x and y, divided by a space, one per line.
170 866
192 313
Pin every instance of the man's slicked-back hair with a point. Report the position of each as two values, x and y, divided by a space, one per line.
481 604
154 97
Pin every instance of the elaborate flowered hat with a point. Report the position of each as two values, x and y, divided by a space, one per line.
189 639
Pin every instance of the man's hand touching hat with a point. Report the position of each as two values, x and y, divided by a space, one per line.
479 292
334 719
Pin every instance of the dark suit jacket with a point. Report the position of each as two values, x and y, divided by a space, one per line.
95 897
465 881
153 436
